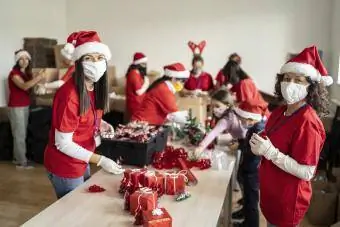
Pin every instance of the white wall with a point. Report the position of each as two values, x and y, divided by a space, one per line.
335 46
262 31
27 18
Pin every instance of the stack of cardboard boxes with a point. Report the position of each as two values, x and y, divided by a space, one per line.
324 208
42 51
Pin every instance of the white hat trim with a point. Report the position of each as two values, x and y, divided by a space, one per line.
91 47
307 70
22 53
140 61
176 74
248 115
301 68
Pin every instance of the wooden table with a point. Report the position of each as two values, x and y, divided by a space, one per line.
80 208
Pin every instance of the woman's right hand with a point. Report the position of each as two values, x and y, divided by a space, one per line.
110 166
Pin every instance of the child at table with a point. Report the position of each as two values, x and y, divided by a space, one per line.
241 122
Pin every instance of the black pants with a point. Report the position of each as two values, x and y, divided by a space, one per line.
251 198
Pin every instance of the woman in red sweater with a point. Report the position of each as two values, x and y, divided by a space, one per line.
20 82
159 104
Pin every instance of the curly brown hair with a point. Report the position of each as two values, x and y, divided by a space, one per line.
317 95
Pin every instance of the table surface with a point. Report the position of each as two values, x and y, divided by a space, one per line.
80 208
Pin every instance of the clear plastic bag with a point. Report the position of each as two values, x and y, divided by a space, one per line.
219 158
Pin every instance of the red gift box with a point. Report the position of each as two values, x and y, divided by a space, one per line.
144 197
174 183
154 180
135 177
157 218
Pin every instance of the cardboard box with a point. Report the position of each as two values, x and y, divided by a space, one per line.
118 104
44 100
112 76
51 74
59 59
4 114
197 104
322 209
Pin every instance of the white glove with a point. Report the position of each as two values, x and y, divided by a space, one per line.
40 89
110 166
112 95
106 127
260 146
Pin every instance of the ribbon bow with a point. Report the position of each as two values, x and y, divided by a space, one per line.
197 48
157 212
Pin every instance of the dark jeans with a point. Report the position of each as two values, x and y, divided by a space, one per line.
251 198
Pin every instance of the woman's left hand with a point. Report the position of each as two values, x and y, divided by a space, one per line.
106 127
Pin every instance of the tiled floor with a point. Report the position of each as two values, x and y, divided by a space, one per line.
24 193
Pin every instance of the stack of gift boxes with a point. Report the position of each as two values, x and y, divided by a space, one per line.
142 188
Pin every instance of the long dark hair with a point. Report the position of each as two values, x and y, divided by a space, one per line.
140 68
101 90
233 71
158 81
28 70
235 55
317 95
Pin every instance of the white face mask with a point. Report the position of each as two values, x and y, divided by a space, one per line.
293 92
94 70
219 111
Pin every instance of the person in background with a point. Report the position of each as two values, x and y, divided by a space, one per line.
243 86
291 143
20 82
77 112
199 82
222 77
66 53
137 83
159 104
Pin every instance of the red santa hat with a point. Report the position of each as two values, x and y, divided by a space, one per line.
308 63
87 42
176 70
21 53
139 58
250 110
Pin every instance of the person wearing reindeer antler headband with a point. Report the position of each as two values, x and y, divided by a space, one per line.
199 82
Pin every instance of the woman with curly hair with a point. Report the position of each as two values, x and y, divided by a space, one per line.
292 140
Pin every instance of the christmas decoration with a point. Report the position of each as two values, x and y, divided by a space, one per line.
182 196
138 131
169 159
95 188
192 180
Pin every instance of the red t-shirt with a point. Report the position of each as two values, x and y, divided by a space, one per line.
284 197
69 73
203 82
134 82
157 104
246 90
221 79
66 118
17 96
